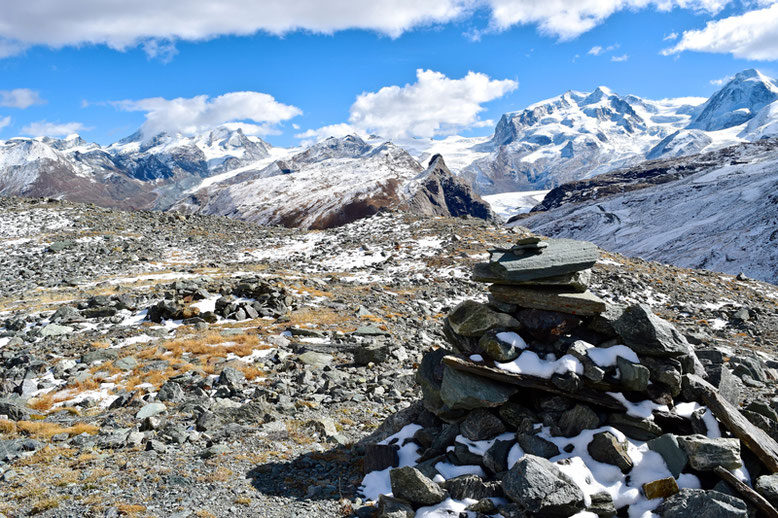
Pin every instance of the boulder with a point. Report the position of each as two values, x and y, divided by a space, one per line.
605 447
540 487
694 503
463 391
706 453
473 319
767 486
480 425
410 484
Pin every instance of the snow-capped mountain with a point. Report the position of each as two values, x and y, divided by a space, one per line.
579 135
337 181
224 171
717 210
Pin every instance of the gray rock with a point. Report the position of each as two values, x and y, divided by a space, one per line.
705 453
562 256
463 391
578 419
15 410
666 371
389 507
633 376
410 484
540 487
496 457
494 346
480 425
371 353
127 363
645 333
55 330
549 299
473 319
605 447
150 410
535 445
370 331
471 486
694 503
674 456
634 427
315 359
170 392
767 486
380 456
577 281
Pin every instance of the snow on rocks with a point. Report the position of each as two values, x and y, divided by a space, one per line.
587 419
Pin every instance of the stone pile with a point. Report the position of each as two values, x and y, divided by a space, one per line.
553 403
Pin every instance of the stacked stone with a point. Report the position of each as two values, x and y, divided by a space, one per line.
545 365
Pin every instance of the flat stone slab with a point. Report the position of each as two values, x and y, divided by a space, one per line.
552 299
562 256
576 281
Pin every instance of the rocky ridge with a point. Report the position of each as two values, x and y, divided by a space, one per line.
115 406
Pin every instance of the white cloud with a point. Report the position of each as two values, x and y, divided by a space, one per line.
619 59
52 129
333 130
156 26
122 24
4 121
597 49
753 35
721 81
197 114
431 106
20 98
567 19
670 37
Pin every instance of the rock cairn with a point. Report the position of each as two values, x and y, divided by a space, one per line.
553 403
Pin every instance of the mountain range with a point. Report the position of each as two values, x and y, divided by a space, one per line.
567 138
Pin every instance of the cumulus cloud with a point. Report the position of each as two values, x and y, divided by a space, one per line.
260 112
20 98
4 121
433 105
567 19
752 35
333 130
156 26
120 24
52 129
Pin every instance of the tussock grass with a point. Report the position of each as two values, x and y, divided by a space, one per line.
45 430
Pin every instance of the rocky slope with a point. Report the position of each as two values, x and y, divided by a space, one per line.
336 182
189 365
715 210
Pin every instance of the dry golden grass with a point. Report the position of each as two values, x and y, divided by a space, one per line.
243 500
130 509
203 513
45 504
251 372
44 430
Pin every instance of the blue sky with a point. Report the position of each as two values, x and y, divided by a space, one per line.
105 85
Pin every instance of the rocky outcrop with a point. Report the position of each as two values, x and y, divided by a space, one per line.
441 193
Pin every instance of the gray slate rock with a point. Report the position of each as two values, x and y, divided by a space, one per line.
493 346
150 410
767 486
480 425
539 486
674 456
694 503
562 256
646 333
605 447
578 419
473 319
633 375
410 484
389 507
463 391
706 453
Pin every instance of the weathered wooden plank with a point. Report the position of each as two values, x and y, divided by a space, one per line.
523 380
755 439
752 496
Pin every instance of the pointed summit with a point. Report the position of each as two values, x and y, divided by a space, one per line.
737 102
